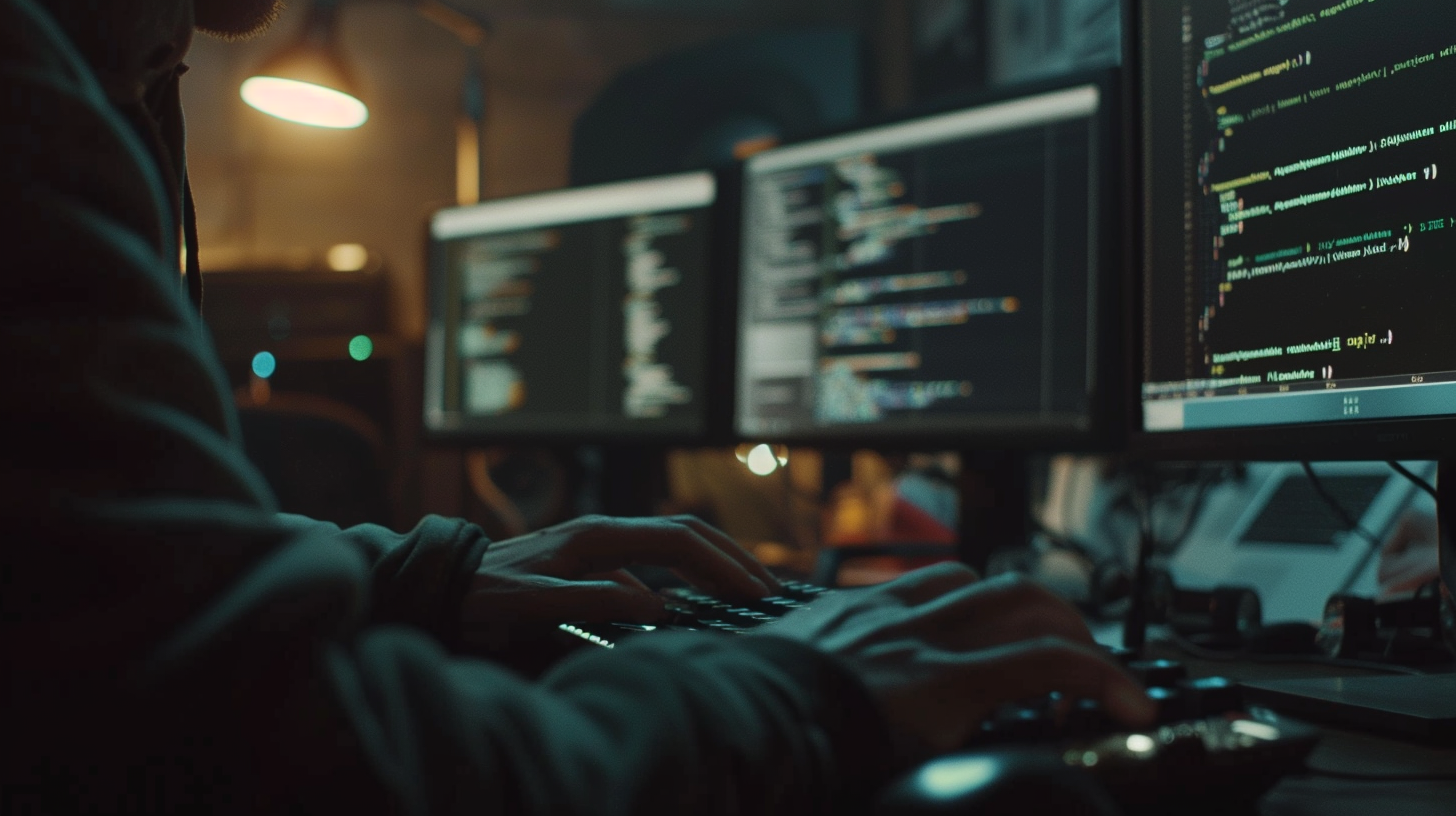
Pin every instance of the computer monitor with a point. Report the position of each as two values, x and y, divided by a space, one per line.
945 277
1299 243
580 314
1299 232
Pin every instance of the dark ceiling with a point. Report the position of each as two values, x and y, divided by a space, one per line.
745 11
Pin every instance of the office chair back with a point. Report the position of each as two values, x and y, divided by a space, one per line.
322 458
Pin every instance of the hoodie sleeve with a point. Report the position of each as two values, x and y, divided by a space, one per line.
173 644
417 578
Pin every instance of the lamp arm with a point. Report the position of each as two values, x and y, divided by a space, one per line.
470 27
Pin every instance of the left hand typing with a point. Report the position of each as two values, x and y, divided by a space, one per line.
575 571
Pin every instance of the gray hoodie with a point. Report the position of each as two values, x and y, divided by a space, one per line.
173 644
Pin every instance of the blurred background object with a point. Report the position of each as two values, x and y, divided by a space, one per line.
724 100
312 243
1036 39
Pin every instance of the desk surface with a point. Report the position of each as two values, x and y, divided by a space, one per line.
1341 751
1363 753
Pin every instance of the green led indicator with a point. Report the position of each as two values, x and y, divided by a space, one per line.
361 348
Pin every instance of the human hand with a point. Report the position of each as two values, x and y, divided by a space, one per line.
941 651
574 571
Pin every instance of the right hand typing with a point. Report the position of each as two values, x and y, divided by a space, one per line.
941 650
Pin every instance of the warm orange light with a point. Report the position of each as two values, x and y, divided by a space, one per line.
259 391
348 257
304 102
748 147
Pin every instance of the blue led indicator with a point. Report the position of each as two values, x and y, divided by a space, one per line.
264 364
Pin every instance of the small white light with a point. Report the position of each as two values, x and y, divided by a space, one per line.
953 777
761 460
1140 743
304 102
348 257
1257 730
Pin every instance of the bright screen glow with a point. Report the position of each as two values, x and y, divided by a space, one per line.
304 102
933 277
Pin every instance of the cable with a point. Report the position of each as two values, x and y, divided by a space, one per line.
1360 777
1339 510
1135 625
1414 479
1060 541
1350 523
1195 509
1194 650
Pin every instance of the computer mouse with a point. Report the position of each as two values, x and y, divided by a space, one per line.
1282 638
997 783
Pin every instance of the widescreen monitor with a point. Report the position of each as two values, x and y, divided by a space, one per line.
1299 228
941 277
579 314
1299 235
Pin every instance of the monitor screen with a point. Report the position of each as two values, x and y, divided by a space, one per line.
574 314
933 277
1300 211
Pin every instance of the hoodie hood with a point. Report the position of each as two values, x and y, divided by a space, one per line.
157 118
137 58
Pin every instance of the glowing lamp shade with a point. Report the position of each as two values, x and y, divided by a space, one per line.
308 81
304 102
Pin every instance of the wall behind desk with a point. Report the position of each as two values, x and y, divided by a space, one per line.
271 193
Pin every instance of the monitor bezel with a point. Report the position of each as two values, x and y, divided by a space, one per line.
716 425
1107 419
1377 440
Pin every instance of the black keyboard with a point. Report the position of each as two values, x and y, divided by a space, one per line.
690 610
1207 751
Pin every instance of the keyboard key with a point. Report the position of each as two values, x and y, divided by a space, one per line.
1164 673
1121 655
1172 706
1086 718
1023 725
1211 696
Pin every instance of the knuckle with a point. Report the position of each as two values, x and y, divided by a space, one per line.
1013 581
1054 644
948 569
1034 625
1025 591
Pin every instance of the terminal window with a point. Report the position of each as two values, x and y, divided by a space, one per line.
577 323
931 276
1299 211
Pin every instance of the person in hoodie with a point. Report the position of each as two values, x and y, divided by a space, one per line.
173 643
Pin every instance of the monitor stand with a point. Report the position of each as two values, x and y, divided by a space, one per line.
633 480
995 505
1414 707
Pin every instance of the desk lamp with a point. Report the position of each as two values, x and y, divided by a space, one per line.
308 82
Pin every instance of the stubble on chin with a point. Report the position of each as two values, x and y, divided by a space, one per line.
236 19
